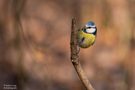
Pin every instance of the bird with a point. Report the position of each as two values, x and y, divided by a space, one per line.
87 35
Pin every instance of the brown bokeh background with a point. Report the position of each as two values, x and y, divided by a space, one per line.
35 39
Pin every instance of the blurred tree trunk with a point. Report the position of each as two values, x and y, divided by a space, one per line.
11 37
17 8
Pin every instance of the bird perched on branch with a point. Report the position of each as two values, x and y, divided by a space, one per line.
87 35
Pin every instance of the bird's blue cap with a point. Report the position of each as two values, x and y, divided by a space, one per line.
90 24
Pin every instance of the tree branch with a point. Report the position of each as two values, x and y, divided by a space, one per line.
74 57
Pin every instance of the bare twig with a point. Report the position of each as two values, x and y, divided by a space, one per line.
75 59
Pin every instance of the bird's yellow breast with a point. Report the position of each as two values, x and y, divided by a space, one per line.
85 39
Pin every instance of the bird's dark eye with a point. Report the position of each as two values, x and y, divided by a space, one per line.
88 27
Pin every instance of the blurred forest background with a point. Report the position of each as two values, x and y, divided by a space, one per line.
35 39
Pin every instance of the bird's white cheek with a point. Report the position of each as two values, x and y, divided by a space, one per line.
90 30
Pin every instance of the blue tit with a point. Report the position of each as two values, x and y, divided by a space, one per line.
87 35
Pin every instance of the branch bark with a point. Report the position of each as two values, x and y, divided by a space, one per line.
74 57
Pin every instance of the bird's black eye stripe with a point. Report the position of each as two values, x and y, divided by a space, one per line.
88 27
